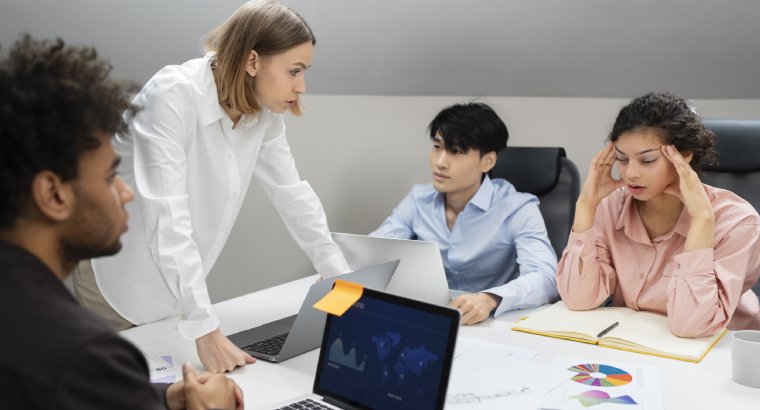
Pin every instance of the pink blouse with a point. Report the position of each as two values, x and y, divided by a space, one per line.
700 291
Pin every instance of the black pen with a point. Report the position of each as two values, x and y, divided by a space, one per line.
605 331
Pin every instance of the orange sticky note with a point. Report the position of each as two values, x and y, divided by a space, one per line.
341 297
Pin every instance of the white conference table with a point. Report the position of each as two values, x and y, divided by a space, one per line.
706 385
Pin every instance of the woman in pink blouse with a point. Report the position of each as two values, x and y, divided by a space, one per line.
658 239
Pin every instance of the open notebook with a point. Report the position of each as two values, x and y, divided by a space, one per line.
619 328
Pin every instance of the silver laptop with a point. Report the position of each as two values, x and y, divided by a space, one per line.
385 352
285 338
420 274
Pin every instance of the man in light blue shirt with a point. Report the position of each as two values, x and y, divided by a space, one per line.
492 238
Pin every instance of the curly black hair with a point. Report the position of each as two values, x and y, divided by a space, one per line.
54 99
677 122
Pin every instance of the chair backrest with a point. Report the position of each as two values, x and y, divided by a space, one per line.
547 173
738 168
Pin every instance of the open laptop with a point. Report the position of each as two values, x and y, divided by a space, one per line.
385 352
285 338
420 274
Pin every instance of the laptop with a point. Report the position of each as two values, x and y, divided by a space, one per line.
291 336
420 274
385 352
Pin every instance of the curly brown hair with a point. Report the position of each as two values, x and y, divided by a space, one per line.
677 122
54 99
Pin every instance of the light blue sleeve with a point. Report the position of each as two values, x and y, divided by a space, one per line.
536 284
399 224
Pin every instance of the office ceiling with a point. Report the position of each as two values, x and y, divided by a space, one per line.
572 48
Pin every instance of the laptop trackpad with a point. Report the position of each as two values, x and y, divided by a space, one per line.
262 332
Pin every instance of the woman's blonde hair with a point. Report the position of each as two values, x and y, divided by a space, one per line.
264 26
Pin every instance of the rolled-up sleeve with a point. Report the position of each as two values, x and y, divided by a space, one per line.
160 177
297 203
706 284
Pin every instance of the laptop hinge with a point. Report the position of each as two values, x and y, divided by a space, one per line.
338 403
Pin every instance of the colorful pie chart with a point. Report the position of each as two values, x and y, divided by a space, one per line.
600 375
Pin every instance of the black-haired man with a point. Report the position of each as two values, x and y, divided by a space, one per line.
492 238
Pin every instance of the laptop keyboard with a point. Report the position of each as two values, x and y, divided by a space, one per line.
306 404
270 347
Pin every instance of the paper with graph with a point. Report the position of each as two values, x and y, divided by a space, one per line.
602 385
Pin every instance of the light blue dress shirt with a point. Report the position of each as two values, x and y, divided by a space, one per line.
498 243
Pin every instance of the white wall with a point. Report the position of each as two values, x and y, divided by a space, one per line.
362 153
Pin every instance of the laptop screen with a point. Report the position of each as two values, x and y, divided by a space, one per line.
387 352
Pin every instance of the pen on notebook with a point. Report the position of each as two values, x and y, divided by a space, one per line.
605 331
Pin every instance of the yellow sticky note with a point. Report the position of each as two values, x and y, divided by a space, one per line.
341 297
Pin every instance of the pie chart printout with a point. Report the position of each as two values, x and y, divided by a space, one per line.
600 375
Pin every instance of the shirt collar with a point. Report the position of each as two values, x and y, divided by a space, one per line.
631 223
481 199
211 111
247 120
684 221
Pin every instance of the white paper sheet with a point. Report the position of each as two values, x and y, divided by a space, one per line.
603 385
467 344
162 368
487 375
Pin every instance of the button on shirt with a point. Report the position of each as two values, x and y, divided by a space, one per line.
498 243
190 170
700 291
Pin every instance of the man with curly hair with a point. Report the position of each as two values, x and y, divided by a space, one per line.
61 201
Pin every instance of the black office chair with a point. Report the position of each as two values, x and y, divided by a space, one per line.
547 173
738 168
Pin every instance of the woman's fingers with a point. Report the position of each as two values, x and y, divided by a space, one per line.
599 182
597 159
685 173
675 157
610 157
603 160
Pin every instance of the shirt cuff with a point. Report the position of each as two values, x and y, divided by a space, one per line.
508 299
698 261
576 242
193 329
332 266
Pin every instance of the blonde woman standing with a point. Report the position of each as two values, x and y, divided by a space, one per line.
206 127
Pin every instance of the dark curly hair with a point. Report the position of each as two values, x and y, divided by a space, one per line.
677 122
53 100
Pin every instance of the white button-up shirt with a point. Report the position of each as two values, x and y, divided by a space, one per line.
190 170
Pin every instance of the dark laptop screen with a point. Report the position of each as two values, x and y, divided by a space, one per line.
388 352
